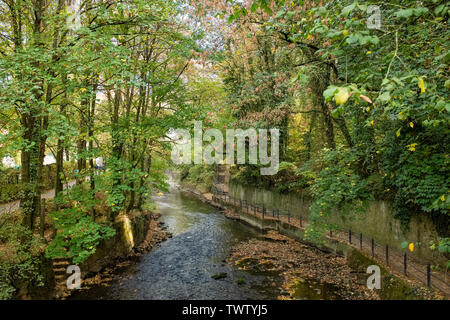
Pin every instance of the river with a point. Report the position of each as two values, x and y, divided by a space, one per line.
182 266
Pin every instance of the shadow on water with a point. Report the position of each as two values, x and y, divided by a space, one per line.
183 266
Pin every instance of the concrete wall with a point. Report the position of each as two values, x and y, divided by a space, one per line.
377 222
130 232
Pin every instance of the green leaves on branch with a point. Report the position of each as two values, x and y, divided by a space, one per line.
406 13
78 235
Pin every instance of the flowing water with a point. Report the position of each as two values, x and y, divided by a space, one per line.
183 266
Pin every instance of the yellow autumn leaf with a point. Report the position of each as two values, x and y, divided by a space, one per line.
398 132
421 84
412 147
371 122
443 198
342 96
411 124
411 247
160 194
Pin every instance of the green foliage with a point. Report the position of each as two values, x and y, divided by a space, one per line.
19 260
338 186
77 235
443 245
12 187
386 89
77 232
10 192
202 175
443 248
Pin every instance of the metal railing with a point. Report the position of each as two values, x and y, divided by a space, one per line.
401 262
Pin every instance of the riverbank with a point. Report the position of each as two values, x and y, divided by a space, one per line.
396 286
302 267
135 235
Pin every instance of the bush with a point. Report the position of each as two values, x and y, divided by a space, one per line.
338 186
202 175
78 235
19 259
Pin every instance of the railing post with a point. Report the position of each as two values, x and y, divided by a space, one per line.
404 263
373 248
428 275
254 209
263 211
360 241
240 204
387 254
301 222
331 234
350 236
289 216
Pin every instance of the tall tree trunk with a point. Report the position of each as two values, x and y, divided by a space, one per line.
82 143
91 133
322 82
328 121
32 154
343 128
59 145
117 148
309 136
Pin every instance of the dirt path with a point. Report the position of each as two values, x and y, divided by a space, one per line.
13 206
